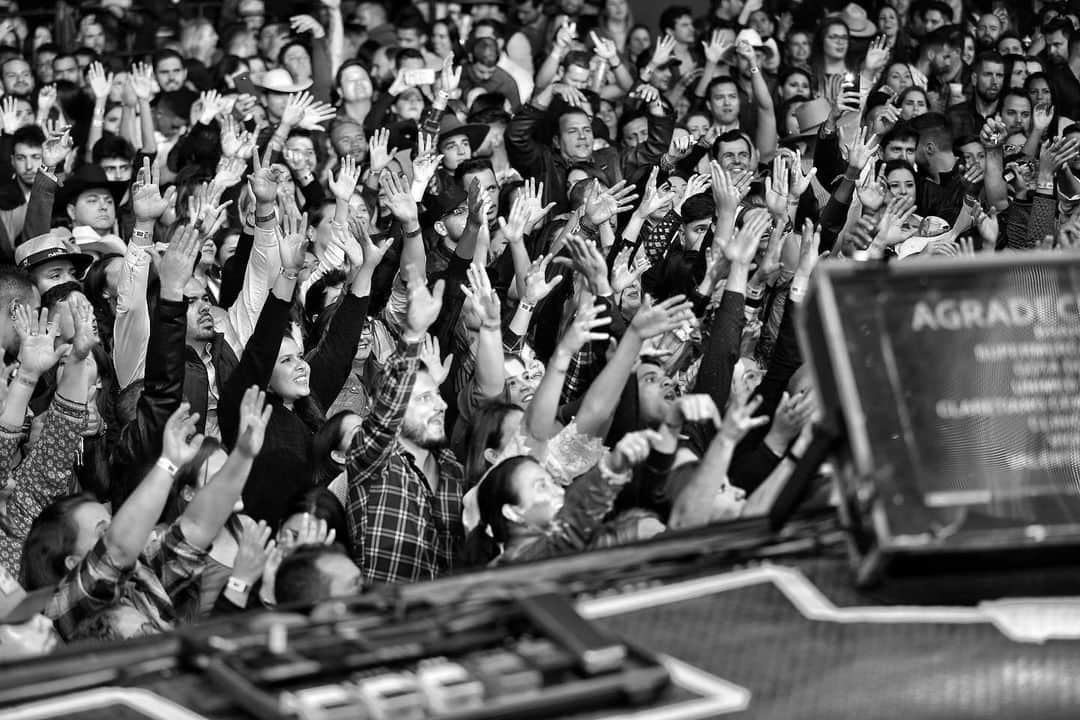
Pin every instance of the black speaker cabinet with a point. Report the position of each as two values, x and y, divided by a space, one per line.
955 385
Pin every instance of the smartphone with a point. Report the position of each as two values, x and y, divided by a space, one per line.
419 77
851 80
244 85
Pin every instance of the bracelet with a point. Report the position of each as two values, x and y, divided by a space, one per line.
414 233
141 234
754 70
46 169
590 233
167 465
528 307
266 218
237 585
290 274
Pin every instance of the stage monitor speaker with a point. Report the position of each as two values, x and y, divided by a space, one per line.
955 385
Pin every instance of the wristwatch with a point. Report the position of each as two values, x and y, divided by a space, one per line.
237 585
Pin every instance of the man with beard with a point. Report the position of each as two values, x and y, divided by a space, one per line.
174 97
1062 65
988 77
405 487
208 359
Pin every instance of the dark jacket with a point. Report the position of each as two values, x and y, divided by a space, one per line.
547 164
285 466
197 380
140 441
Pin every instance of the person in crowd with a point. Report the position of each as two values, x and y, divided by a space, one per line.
303 303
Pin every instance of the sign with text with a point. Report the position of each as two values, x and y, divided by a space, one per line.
960 387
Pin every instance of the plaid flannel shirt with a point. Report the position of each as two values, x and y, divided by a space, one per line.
97 585
42 476
399 529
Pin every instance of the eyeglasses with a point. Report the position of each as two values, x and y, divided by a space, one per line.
836 37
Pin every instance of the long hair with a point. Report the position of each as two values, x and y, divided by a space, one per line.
817 50
51 539
496 490
484 433
324 505
96 284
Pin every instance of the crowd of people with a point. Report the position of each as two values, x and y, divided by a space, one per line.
302 298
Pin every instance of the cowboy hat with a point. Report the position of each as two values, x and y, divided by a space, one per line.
449 126
48 246
753 38
90 241
89 177
810 116
279 80
855 17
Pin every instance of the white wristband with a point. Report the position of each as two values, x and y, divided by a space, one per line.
167 465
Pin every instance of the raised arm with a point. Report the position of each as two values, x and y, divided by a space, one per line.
766 137
163 391
331 360
44 474
207 512
142 85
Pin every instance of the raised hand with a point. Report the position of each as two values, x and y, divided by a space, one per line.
483 298
316 114
301 24
861 148
987 224
180 443
872 189
799 181
585 328
537 287
654 199
9 114
532 195
739 418
100 82
58 145
86 335
449 78
178 262
142 81
565 36
654 320
1041 117
623 273
726 194
209 106
263 181
793 412
399 200
665 46
254 417
38 352
590 263
379 152
717 47
602 205
344 185
513 226
693 408
993 133
571 95
808 254
294 109
877 55
292 240
432 360
604 47
425 165
252 552
632 450
891 228
778 187
424 305
742 249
